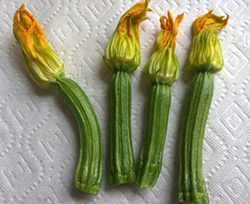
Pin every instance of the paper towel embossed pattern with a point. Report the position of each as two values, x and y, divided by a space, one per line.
82 57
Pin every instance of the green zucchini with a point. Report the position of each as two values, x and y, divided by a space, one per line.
89 171
161 71
156 130
121 159
192 187
47 70
122 56
205 58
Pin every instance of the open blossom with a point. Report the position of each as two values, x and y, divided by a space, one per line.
123 49
163 66
41 61
206 54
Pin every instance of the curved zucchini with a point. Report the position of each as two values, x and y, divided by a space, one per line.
121 158
192 186
89 171
156 130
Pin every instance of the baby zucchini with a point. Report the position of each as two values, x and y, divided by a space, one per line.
121 159
122 56
89 171
47 70
205 58
162 70
192 186
156 129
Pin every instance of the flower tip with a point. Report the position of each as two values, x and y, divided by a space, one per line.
211 11
22 8
170 16
163 23
179 18
225 22
150 10
26 18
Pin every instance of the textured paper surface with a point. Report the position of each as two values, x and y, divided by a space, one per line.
39 138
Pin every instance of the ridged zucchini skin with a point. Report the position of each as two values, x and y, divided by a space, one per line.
192 187
89 171
121 163
153 145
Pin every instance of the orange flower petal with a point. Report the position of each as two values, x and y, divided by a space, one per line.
208 19
169 30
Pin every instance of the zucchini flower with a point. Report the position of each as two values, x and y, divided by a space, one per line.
206 54
205 58
123 49
47 70
41 61
122 56
161 71
163 66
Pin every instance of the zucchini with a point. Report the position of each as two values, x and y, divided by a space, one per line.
205 58
121 159
192 186
161 71
89 171
156 130
47 70
122 56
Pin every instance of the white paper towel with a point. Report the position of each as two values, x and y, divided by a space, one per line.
39 138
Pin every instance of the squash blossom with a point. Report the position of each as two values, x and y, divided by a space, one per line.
123 49
161 71
163 66
122 56
206 54
41 61
47 70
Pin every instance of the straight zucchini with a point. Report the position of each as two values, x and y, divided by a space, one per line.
192 186
156 129
121 159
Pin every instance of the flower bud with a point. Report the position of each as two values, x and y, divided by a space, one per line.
41 61
163 66
206 54
123 49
